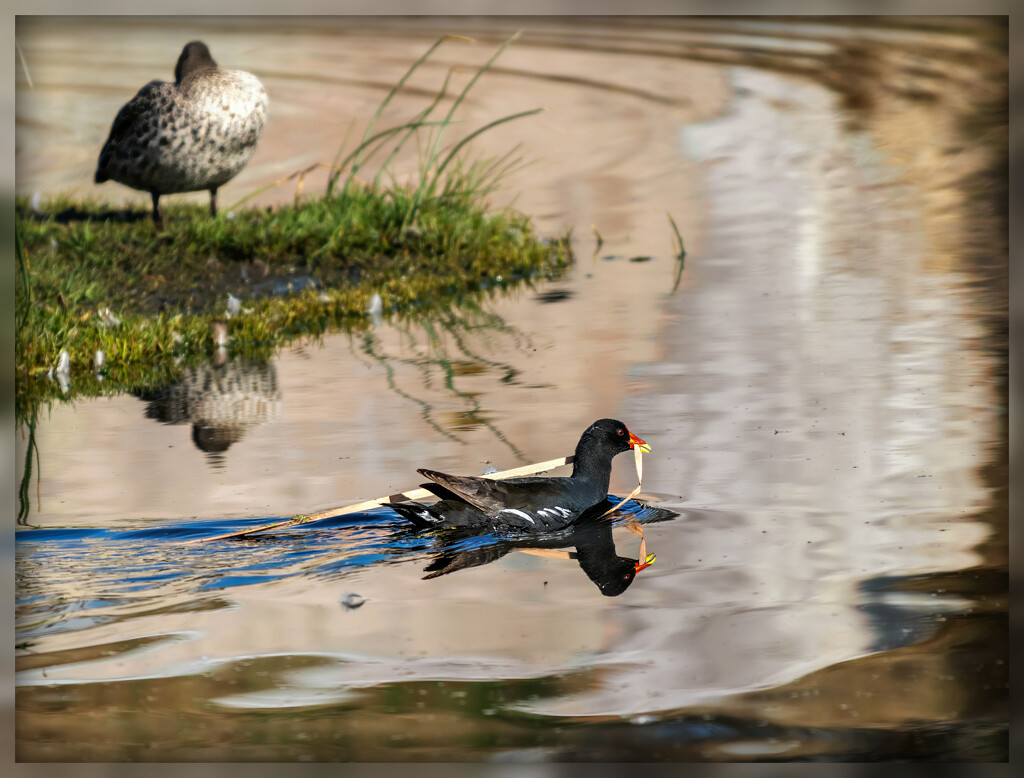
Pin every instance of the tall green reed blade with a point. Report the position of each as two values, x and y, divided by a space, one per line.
382 135
475 133
19 249
380 109
426 181
332 179
412 130
480 178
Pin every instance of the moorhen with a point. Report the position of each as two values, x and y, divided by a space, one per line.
535 504
196 133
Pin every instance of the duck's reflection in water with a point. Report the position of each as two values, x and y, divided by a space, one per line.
594 551
222 400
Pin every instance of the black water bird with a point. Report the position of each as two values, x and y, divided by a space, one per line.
193 134
540 504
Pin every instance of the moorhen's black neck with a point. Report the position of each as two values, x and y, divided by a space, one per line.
593 462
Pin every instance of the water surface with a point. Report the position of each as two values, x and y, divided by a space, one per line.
824 391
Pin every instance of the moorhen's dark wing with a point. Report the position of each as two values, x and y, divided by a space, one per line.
555 497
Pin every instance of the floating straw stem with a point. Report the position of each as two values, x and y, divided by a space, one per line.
413 494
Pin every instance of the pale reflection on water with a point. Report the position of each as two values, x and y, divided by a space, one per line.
855 408
818 396
220 400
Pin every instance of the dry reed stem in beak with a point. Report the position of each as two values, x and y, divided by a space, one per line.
638 458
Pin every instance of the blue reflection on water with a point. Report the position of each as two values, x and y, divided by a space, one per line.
118 572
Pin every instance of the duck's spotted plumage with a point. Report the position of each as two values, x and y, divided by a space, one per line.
193 134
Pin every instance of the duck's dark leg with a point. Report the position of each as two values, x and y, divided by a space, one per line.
158 218
213 201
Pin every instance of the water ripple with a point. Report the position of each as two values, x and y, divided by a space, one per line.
119 574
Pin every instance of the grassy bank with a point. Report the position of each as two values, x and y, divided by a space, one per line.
92 277
295 270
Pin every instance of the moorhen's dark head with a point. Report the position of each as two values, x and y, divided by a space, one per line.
609 435
595 551
614 579
194 57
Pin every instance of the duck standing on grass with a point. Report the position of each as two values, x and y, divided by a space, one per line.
196 133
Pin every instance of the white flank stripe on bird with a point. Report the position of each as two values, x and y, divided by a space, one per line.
518 512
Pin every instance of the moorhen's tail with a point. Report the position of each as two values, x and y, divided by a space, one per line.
440 492
415 512
479 492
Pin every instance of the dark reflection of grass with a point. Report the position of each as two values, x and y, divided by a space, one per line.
472 318
36 394
487 322
370 347
437 360
32 447
475 414
510 373
680 250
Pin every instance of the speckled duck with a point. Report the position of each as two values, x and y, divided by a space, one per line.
196 133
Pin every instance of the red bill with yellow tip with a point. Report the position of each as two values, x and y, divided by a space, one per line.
647 562
635 441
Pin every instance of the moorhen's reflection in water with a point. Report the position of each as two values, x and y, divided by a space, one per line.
222 400
591 535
